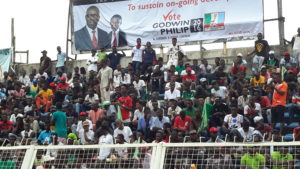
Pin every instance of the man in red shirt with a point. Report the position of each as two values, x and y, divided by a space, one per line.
189 76
279 101
296 133
6 126
61 90
182 122
125 103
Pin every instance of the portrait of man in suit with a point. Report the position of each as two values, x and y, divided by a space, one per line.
117 36
90 36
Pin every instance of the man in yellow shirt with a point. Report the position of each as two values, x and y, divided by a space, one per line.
257 80
44 97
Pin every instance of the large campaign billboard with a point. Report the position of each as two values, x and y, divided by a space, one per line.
120 23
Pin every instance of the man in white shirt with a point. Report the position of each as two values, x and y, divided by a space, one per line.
83 118
219 91
139 85
121 129
174 53
172 93
177 84
136 55
24 79
105 76
86 135
91 97
92 62
295 42
205 67
105 138
246 131
61 56
233 120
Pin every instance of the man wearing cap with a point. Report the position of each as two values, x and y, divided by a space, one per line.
213 132
189 76
219 91
86 135
59 118
45 63
288 61
82 118
271 61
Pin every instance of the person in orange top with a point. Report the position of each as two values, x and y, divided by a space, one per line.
279 101
96 113
44 97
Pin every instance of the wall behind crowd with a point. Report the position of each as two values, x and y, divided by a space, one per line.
210 55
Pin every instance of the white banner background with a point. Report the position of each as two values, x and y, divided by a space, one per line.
242 18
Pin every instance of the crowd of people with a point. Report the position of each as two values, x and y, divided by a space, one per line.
150 101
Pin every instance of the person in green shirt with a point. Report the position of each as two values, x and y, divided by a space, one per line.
252 159
60 122
179 68
187 92
282 159
189 110
101 55
209 107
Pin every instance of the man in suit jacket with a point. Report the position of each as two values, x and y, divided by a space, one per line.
117 36
91 37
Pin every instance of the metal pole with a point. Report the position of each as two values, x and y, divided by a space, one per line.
280 25
27 60
13 40
201 50
67 38
224 48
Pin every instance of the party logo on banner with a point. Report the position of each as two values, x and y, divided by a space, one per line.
214 21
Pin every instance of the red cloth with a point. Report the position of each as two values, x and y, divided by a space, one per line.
62 86
182 123
7 125
189 77
235 70
264 102
297 136
126 102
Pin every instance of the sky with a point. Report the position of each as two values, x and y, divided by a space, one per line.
42 25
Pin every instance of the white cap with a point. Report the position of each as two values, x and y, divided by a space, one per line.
203 80
257 119
20 115
240 54
271 52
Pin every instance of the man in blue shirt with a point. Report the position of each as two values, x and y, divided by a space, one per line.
115 57
60 65
149 56
45 136
159 121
